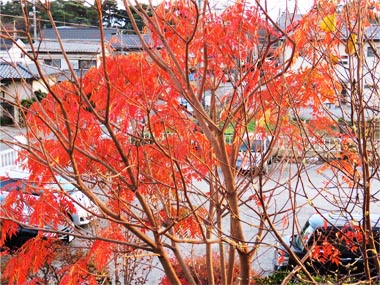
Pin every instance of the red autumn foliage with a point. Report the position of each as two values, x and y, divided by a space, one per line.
326 252
123 138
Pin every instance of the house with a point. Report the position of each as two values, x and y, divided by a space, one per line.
82 47
57 51
345 66
19 81
78 48
11 51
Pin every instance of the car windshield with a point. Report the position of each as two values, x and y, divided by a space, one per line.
7 184
256 146
304 236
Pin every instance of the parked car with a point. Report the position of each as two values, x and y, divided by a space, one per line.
21 211
84 208
251 154
333 242
30 192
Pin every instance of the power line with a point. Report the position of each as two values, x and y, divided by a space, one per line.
48 21
65 23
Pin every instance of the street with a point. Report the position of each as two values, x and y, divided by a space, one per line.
311 190
286 184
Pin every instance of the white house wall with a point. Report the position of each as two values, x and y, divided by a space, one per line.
16 92
15 53
73 60
39 85
345 71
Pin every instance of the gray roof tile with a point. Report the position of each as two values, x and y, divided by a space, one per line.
25 71
87 40
73 33
52 46
129 42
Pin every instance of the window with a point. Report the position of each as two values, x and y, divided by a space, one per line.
372 53
344 59
343 97
53 62
256 146
86 64
304 237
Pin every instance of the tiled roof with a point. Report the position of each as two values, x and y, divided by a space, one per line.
129 42
14 71
24 71
88 40
73 33
52 46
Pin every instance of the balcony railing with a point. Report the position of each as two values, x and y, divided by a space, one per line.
8 158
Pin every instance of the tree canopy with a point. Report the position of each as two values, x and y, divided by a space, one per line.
66 13
165 179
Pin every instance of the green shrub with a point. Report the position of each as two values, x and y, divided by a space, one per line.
278 276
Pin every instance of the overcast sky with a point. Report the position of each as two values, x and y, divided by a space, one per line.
275 7
278 6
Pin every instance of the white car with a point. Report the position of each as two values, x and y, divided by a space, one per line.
21 210
84 208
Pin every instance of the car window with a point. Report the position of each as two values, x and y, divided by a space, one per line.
244 147
11 185
25 186
304 237
256 146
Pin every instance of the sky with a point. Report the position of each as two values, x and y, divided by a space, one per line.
275 7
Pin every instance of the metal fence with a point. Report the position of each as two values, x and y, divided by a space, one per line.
309 147
8 158
9 154
285 146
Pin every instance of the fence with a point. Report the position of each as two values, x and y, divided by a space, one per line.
328 148
9 155
8 158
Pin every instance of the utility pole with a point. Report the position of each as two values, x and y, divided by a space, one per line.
34 21
32 14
